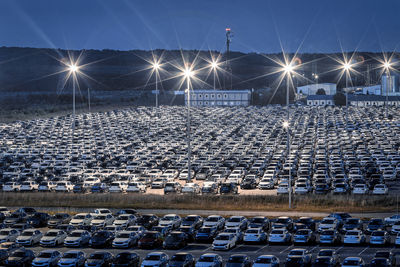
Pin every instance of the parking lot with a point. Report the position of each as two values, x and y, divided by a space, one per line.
196 245
240 149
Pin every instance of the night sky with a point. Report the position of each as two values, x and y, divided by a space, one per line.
316 26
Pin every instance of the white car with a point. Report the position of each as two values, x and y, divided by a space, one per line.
266 261
11 187
101 211
8 235
65 186
214 221
360 189
29 237
53 238
328 223
171 220
125 220
191 188
302 188
224 241
254 235
279 236
125 239
380 189
135 187
283 189
118 187
266 183
81 219
102 220
354 237
236 222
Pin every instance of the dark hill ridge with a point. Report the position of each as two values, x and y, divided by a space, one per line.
31 69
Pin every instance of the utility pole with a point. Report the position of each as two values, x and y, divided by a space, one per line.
227 57
88 91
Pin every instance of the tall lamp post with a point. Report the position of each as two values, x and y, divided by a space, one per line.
386 66
73 69
288 70
156 67
214 66
188 74
347 68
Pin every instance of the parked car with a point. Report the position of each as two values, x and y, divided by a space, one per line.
20 257
101 239
77 238
175 240
156 259
29 237
57 219
182 259
238 260
150 239
126 259
209 260
99 259
53 238
72 258
125 239
353 261
266 261
224 241
48 258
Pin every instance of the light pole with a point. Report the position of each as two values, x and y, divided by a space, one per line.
214 66
347 68
188 73
288 69
386 66
73 69
156 67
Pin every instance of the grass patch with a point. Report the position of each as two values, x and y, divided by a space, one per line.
310 203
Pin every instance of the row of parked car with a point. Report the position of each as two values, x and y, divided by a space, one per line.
130 150
77 258
127 229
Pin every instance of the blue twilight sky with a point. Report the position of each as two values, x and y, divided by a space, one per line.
258 25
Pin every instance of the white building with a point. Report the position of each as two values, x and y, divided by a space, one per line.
320 100
311 89
373 100
199 98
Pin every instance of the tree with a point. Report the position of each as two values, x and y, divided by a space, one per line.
340 99
320 91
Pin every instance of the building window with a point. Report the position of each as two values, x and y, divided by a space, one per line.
225 96
206 96
212 96
200 96
219 96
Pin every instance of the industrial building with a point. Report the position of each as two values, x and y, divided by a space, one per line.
206 98
311 89
390 84
320 100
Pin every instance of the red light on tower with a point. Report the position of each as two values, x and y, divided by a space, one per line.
228 29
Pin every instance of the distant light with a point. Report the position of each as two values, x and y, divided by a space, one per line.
346 66
288 68
156 66
73 68
387 65
285 124
214 64
188 73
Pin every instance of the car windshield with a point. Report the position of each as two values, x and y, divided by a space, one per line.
75 234
152 257
168 218
79 217
178 258
212 219
222 237
123 235
45 255
296 253
204 230
150 235
123 256
18 254
263 260
27 233
351 262
378 233
206 259
70 255
96 256
302 232
235 219
276 232
325 253
51 233
236 259
4 232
